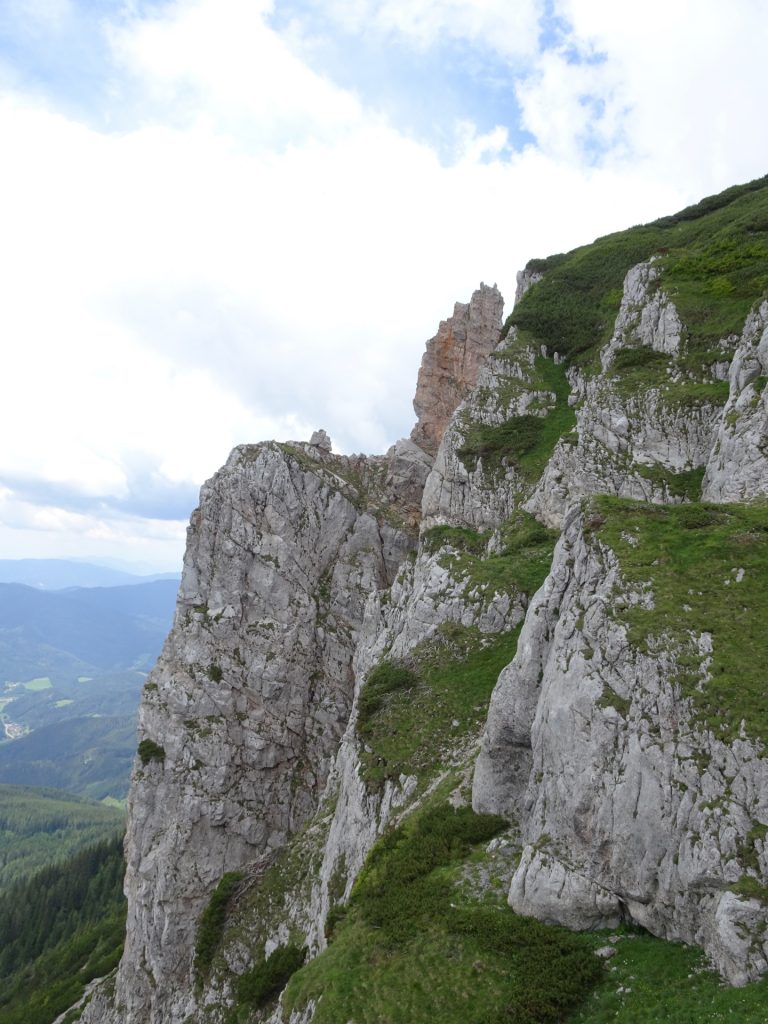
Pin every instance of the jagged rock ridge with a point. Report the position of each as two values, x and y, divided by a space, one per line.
303 575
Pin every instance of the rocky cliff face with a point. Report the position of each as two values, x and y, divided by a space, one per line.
452 362
634 806
347 634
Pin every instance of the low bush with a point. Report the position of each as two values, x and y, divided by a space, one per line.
150 751
269 977
385 678
212 920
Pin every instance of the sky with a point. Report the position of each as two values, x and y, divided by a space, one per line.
225 221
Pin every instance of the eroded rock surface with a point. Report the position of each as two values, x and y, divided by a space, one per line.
452 361
590 745
738 467
250 697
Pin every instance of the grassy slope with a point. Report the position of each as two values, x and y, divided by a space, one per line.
416 945
413 718
713 262
707 567
650 981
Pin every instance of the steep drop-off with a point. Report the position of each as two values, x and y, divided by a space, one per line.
362 643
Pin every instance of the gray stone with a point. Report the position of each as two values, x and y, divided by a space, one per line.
320 439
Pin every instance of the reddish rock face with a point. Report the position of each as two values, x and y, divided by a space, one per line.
452 361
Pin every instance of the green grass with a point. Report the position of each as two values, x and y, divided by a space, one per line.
35 685
713 259
691 557
526 441
668 983
521 565
416 728
459 537
386 678
683 380
686 484
415 947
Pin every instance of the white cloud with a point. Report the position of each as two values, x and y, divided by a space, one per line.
35 530
679 89
219 62
259 255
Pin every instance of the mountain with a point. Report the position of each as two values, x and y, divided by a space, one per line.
58 574
74 632
87 756
475 730
72 666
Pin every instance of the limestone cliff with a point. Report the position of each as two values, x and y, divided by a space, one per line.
451 364
360 639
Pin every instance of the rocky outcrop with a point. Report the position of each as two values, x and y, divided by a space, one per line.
526 279
738 467
644 426
452 362
464 489
243 714
306 570
592 747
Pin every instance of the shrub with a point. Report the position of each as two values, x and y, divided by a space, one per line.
267 979
385 678
212 920
397 887
150 751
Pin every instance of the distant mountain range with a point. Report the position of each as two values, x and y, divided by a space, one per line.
72 665
58 573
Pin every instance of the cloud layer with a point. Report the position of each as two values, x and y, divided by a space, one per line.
221 234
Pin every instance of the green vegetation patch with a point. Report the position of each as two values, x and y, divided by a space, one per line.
441 697
707 569
458 537
150 751
414 947
39 827
680 381
649 981
268 978
520 566
35 685
211 927
59 930
525 441
713 259
751 888
386 678
685 485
